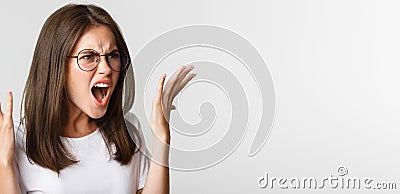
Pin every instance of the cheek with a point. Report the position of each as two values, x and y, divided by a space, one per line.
115 77
77 81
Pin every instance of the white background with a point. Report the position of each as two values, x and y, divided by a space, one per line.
335 66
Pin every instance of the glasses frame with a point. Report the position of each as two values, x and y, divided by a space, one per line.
123 67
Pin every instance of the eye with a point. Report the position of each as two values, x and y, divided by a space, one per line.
113 55
87 56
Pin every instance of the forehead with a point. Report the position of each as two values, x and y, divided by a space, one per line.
97 37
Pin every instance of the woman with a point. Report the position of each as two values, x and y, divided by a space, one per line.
73 137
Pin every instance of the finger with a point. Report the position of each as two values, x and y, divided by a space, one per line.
1 112
182 77
187 79
180 74
9 105
184 72
172 81
177 73
160 88
184 82
187 70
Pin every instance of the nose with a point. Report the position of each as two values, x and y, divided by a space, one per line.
103 67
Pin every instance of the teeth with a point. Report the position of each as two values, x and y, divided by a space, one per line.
101 85
104 91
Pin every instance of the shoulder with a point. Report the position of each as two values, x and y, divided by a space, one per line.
132 119
132 124
134 128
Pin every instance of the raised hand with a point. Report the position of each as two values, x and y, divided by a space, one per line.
162 102
7 133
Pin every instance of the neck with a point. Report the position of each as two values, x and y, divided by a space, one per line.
78 124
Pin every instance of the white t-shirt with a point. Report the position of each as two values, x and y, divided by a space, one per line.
94 173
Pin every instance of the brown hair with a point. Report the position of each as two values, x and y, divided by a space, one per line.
45 94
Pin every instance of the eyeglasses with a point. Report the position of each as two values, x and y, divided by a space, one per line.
88 59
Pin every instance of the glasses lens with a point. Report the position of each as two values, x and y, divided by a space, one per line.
118 60
87 59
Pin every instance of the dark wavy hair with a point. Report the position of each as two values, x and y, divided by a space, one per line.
45 96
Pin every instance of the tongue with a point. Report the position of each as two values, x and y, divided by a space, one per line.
98 93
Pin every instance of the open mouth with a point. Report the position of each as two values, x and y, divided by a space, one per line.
100 92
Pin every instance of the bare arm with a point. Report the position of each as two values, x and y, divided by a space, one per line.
157 181
8 176
8 179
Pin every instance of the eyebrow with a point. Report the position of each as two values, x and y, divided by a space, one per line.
112 51
99 52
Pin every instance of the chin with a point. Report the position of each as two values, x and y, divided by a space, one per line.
97 114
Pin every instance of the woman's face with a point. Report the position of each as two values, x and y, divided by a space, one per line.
90 91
